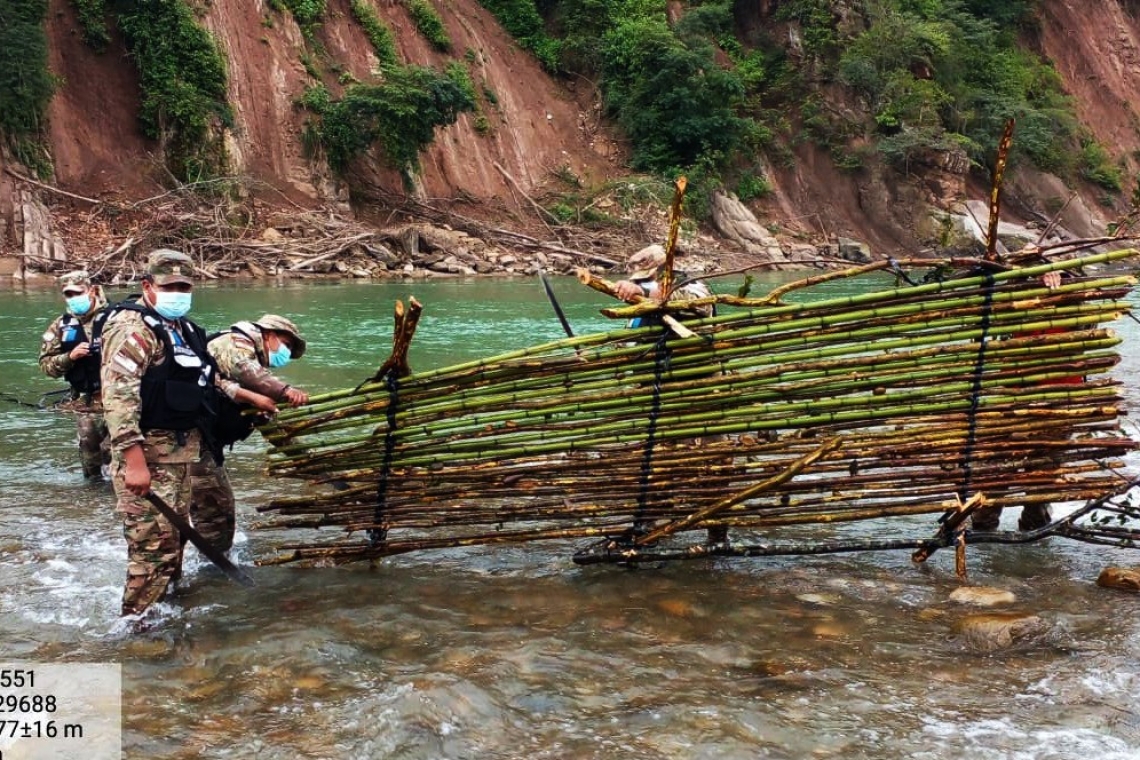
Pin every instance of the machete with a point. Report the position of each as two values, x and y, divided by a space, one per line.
557 306
232 571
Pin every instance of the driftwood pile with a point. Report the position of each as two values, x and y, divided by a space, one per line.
971 387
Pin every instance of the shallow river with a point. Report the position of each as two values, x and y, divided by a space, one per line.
517 652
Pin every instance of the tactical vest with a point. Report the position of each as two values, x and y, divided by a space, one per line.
231 425
178 394
83 374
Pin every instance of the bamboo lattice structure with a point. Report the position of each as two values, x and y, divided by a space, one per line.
900 402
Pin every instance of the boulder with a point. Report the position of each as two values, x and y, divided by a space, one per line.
995 631
1123 578
854 251
735 221
982 596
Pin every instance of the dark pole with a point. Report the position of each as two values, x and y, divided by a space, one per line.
232 571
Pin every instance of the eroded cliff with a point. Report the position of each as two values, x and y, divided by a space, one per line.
537 130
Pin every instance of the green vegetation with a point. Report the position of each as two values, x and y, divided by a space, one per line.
938 74
93 20
928 75
183 79
522 20
400 114
378 33
677 105
429 24
1097 167
26 84
306 12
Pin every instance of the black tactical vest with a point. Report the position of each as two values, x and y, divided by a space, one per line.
83 374
178 394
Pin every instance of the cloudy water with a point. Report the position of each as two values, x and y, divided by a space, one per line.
516 652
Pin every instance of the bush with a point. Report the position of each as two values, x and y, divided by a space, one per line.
753 186
93 21
306 12
26 84
677 105
429 24
401 114
1097 167
378 33
521 19
183 79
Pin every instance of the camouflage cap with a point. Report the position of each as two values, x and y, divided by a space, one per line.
168 266
644 264
75 282
277 323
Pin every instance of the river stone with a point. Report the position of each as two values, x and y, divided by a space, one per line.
982 596
815 598
993 631
1124 578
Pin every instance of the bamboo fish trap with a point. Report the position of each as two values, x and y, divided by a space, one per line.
981 386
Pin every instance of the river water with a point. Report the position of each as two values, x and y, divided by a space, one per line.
517 652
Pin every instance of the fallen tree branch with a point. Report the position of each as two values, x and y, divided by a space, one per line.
50 188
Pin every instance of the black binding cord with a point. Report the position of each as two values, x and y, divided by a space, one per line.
377 535
967 460
661 357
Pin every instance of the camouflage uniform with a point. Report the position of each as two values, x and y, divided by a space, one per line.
154 547
94 445
242 357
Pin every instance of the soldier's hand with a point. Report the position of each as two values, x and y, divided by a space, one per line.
627 290
1051 280
80 351
296 396
262 403
136 475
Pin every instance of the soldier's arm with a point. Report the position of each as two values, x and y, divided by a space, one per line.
129 348
237 359
54 361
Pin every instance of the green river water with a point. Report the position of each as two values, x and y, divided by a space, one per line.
516 652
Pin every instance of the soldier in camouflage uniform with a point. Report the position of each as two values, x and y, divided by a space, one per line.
157 385
71 350
243 354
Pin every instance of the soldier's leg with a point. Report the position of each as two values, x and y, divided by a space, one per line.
212 501
104 445
154 549
1034 516
91 433
986 518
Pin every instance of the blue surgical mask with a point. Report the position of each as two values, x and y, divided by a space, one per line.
172 305
280 356
79 305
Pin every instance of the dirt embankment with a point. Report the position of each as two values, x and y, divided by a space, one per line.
540 129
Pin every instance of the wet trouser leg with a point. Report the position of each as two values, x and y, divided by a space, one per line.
986 518
212 502
154 548
94 443
1034 516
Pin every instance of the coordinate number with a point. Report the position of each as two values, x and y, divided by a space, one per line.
36 703
17 679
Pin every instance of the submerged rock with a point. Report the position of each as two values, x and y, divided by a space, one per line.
994 631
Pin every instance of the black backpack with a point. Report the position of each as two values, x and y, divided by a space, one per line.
233 422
